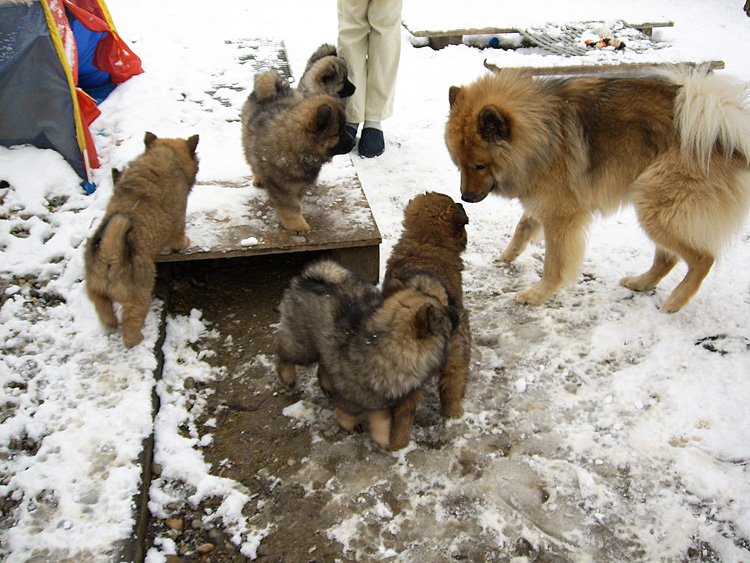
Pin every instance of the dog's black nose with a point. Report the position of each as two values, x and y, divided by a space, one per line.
347 89
469 198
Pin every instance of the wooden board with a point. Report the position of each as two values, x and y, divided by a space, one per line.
621 68
437 39
234 219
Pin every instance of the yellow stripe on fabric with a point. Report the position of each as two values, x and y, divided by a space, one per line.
107 15
60 48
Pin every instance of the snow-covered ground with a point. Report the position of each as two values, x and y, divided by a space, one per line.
632 423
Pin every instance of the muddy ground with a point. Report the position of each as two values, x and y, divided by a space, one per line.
329 496
257 445
238 298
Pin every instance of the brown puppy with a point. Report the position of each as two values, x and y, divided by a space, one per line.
371 351
287 138
145 213
432 242
677 147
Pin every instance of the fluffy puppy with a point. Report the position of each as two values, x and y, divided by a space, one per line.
287 138
146 213
432 242
326 73
371 351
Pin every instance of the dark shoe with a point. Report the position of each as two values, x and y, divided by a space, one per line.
371 143
352 130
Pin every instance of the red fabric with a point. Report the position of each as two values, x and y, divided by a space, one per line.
112 54
89 14
89 112
115 57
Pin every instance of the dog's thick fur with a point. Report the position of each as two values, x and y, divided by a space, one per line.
287 138
677 146
146 213
326 73
371 351
432 242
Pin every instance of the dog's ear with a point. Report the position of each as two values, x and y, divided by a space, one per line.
392 286
453 94
115 175
192 144
323 118
429 320
149 138
493 125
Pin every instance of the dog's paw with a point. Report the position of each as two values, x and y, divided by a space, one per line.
384 447
347 421
287 374
130 339
297 225
636 283
182 244
289 385
531 296
399 441
454 410
510 254
673 304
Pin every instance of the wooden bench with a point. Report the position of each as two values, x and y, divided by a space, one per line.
228 220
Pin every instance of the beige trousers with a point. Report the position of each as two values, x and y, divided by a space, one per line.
370 41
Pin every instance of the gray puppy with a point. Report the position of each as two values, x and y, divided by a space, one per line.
371 351
326 73
287 138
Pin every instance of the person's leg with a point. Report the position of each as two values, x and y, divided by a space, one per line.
354 30
383 54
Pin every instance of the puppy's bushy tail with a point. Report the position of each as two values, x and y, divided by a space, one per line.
114 244
270 85
711 109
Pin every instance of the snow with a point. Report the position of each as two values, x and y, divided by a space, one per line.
611 413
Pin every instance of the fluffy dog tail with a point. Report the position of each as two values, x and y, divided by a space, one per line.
111 242
711 109
270 85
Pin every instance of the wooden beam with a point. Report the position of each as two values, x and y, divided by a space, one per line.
622 68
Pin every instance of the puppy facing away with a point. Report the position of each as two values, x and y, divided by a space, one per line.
146 213
432 242
371 351
326 73
287 138
676 146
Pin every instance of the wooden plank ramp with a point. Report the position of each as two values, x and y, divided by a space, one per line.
228 219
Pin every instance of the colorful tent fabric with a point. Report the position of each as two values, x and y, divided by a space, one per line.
57 59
